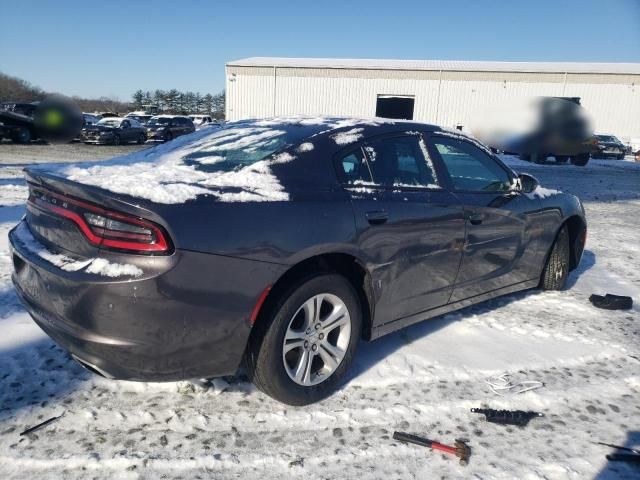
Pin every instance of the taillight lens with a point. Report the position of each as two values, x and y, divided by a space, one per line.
103 227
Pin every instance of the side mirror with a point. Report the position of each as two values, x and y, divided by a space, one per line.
528 183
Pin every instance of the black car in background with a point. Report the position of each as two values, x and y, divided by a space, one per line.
609 147
167 127
280 243
114 131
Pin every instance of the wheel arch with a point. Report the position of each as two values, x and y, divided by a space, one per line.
577 238
344 264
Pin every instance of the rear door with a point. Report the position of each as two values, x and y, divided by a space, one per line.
500 221
410 231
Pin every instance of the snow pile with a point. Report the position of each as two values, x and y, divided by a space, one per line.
350 136
305 147
14 194
98 266
101 266
542 192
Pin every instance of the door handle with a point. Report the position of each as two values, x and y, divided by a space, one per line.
377 217
476 218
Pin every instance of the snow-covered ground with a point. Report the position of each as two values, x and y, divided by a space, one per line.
422 380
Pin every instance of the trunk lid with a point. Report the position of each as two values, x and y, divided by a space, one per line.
53 218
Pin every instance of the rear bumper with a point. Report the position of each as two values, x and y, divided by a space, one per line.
186 316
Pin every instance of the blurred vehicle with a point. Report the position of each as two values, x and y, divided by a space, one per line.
114 131
142 117
535 130
609 147
54 119
167 127
201 120
17 121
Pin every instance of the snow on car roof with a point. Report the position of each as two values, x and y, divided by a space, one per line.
437 65
173 172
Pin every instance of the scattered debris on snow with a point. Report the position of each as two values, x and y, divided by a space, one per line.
518 418
503 384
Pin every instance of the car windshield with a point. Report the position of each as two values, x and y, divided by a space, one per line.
110 122
159 121
231 149
607 138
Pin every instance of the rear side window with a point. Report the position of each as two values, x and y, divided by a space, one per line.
353 168
469 168
400 162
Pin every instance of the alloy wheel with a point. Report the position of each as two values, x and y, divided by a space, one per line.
316 339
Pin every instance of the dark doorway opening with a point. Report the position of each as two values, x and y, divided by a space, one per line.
389 106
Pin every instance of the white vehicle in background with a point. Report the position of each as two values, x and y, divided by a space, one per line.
200 121
141 116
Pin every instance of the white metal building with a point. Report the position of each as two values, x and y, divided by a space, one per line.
447 93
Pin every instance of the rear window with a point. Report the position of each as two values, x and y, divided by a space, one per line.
234 148
160 121
110 122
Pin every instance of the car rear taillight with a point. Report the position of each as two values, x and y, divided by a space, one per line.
103 227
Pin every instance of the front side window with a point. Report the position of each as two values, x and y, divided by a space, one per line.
469 168
400 162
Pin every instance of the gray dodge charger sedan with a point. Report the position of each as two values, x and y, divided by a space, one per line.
279 244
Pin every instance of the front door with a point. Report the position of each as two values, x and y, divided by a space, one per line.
498 249
410 230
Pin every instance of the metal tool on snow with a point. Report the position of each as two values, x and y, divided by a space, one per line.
42 425
519 418
619 447
460 448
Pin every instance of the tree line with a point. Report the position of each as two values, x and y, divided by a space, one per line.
175 101
13 89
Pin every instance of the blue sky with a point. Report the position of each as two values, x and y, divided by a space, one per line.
113 47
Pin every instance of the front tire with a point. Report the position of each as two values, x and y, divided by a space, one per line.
116 140
556 271
22 135
300 352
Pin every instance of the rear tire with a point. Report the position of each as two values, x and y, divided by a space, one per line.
141 139
556 271
272 359
621 156
561 158
168 137
116 140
